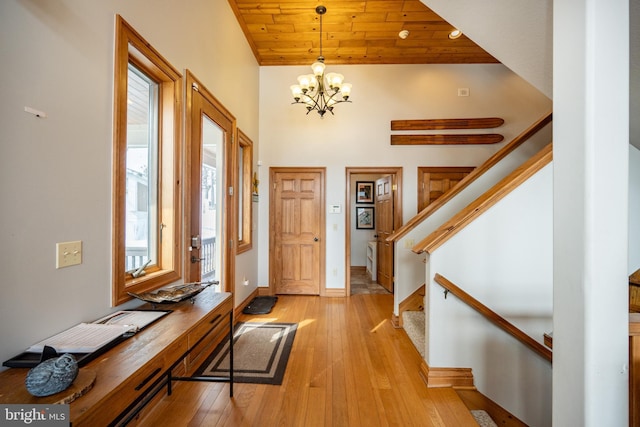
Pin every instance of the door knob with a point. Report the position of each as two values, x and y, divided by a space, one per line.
194 259
315 239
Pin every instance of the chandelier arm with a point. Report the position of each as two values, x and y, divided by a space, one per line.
319 98
315 98
336 100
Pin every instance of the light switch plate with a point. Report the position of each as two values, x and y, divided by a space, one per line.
68 253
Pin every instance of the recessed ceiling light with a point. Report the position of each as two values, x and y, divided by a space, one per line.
455 34
403 34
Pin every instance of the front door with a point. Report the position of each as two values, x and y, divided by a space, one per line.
210 150
297 224
384 228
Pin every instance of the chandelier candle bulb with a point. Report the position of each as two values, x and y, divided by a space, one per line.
311 90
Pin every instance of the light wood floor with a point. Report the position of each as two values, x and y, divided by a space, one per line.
348 367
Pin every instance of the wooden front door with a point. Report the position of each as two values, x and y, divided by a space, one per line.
297 224
384 228
433 182
210 246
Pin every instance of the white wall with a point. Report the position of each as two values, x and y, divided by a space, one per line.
504 260
518 33
55 173
634 210
634 71
591 178
409 267
359 133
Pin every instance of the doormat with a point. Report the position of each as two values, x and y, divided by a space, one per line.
260 353
260 305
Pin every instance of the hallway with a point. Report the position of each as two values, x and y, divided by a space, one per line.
361 283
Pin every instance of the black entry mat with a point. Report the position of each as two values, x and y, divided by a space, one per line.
260 305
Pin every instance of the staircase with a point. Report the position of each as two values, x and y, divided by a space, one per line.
527 205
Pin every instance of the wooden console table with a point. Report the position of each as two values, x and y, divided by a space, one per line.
129 375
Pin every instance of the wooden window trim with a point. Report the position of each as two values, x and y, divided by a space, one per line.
131 47
246 243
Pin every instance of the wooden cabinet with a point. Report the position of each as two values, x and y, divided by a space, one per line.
131 373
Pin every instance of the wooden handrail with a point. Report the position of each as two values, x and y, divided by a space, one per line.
484 202
467 180
495 318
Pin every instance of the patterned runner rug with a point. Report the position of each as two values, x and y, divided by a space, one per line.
260 353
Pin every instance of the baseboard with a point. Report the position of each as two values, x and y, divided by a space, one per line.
329 292
446 377
238 310
395 321
335 292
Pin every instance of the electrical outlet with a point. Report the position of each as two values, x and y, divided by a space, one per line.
68 253
408 243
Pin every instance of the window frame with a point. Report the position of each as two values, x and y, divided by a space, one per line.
245 169
132 48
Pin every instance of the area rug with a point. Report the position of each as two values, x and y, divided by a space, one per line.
260 353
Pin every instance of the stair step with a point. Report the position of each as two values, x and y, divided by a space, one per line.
476 401
413 323
483 419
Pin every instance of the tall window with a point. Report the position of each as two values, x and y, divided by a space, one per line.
146 204
141 232
245 187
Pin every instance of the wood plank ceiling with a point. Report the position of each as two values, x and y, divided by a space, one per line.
286 32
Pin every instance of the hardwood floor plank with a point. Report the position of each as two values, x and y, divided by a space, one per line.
348 367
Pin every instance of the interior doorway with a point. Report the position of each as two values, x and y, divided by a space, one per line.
366 174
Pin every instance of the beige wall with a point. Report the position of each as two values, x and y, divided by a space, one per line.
55 173
359 133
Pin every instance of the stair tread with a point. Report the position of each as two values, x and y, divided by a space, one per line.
452 410
413 323
483 418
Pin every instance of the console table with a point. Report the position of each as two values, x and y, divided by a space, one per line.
129 375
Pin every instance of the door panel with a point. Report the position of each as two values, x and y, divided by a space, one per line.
384 228
297 231
209 160
433 182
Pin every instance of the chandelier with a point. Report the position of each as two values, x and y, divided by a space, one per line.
318 91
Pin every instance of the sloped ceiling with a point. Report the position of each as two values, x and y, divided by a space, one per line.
354 32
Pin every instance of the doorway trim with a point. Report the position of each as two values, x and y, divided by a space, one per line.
227 239
396 172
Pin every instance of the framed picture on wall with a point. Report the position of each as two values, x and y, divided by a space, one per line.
365 218
364 192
